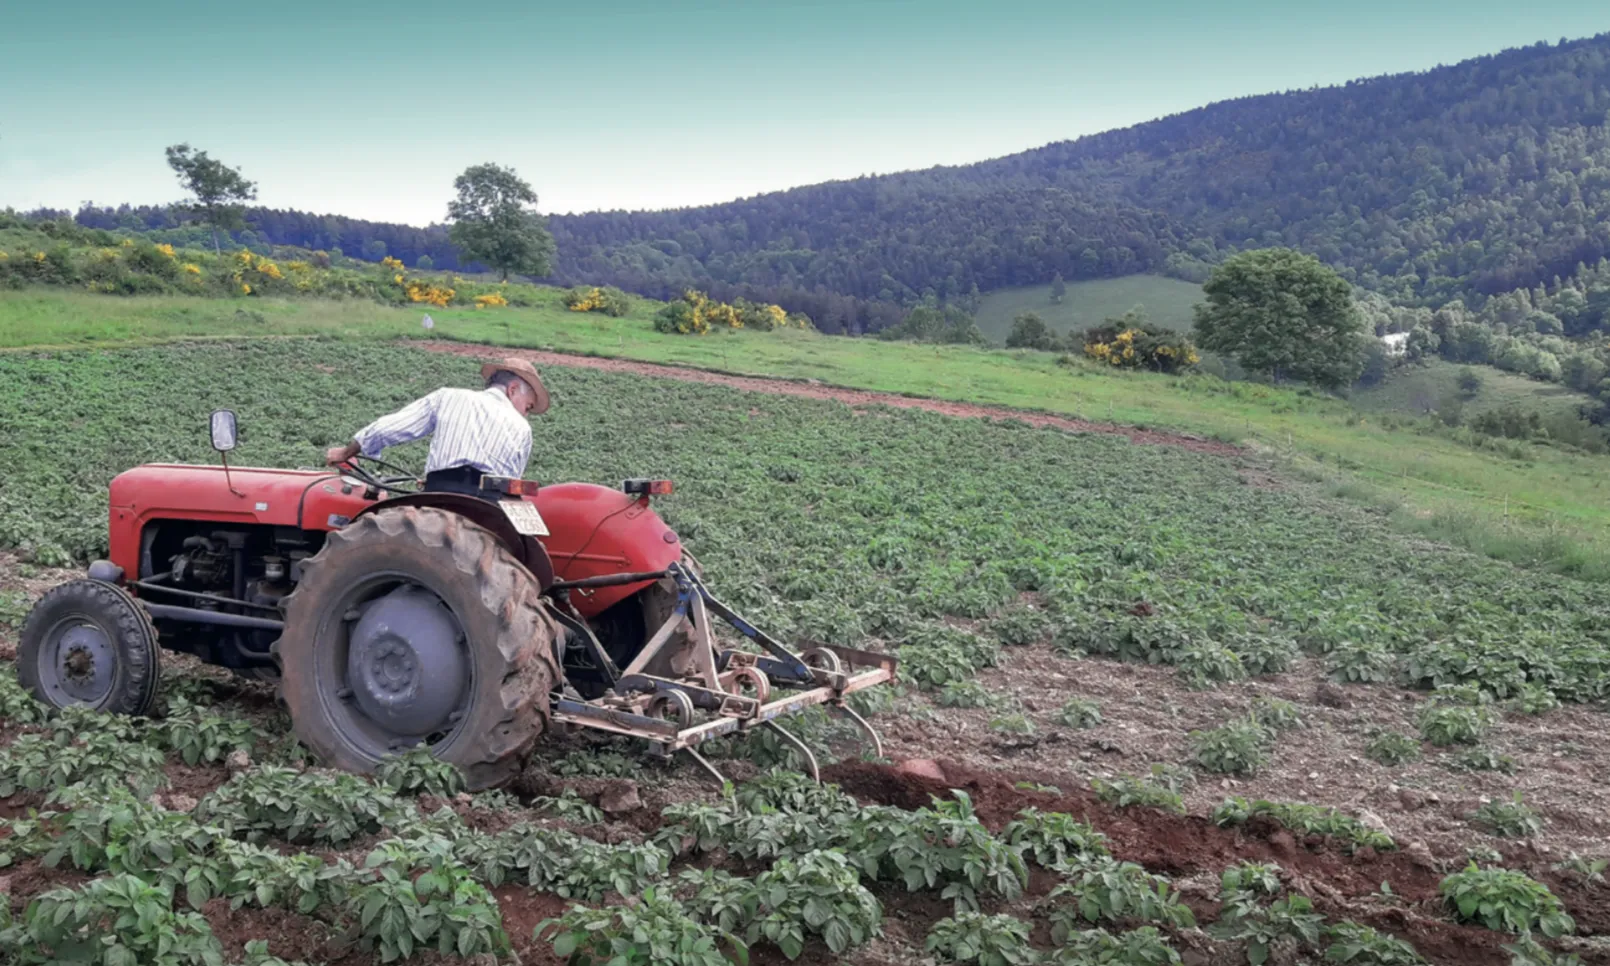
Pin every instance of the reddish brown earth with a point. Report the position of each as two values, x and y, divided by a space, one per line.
850 397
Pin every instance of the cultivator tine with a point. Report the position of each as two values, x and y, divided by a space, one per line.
866 728
705 764
810 759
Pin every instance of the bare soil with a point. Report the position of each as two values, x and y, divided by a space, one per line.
857 398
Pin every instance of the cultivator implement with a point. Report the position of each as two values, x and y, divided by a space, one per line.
683 688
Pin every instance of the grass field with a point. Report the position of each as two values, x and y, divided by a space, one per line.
1551 509
1413 390
1109 633
1167 301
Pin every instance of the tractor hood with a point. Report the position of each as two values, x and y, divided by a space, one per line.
240 494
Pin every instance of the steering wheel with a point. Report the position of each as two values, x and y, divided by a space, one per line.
405 482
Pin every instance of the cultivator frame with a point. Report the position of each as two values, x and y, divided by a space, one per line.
735 687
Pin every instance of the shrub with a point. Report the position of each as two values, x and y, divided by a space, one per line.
569 807
1286 922
792 791
1483 759
562 862
325 807
83 747
1131 343
1392 748
1052 838
1512 819
651 930
1257 878
1238 748
695 313
1029 331
1359 662
1144 946
1590 871
819 893
1204 665
943 845
1127 791
972 937
1451 724
114 921
1080 713
1505 901
399 912
1101 887
964 694
1302 818
1275 714
417 771
199 736
607 300
1533 698
1351 943
1020 626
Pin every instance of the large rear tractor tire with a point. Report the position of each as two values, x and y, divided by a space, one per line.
415 626
89 644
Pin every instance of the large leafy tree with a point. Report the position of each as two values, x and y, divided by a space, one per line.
494 222
1285 314
216 189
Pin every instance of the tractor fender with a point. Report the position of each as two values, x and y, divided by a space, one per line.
527 550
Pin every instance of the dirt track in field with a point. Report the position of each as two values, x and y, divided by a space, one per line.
850 397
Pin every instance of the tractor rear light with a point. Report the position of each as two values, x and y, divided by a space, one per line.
647 487
509 487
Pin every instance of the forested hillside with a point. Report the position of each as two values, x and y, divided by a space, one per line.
1462 182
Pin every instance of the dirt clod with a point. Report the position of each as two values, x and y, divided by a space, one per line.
237 762
620 798
1332 696
921 768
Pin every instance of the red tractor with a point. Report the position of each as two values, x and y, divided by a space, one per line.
392 618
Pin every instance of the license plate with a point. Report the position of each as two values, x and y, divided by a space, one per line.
527 521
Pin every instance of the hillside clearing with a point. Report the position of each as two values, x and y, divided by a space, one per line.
1417 389
1167 301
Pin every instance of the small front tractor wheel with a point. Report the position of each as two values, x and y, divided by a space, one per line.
414 626
89 644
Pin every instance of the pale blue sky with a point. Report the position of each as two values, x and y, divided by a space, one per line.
632 104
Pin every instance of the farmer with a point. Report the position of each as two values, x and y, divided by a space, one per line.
472 433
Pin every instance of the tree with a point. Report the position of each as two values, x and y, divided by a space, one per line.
1059 289
1029 331
1283 313
218 189
1469 382
492 223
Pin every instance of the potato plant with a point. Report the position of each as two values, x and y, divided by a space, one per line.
1505 901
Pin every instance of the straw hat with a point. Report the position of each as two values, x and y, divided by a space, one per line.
527 373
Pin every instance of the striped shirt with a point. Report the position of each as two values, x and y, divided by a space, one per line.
467 428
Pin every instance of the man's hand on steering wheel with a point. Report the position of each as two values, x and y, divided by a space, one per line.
336 455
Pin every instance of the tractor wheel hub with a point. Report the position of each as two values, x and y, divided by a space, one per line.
406 665
85 663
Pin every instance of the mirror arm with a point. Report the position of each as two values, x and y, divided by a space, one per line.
224 455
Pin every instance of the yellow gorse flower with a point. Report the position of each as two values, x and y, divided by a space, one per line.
390 262
192 269
166 250
492 300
